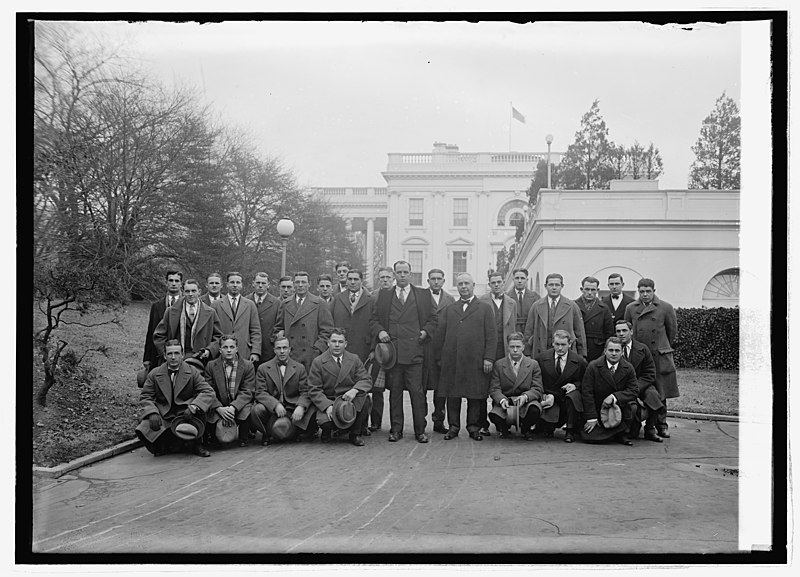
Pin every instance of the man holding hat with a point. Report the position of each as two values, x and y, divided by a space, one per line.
233 380
608 387
336 378
281 393
516 383
173 403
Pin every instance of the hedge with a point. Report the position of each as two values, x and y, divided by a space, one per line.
707 338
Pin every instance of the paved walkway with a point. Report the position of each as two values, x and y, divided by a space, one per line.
457 496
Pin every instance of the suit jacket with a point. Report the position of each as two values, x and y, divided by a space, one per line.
430 370
656 325
359 336
307 328
465 339
206 299
245 326
504 384
597 326
291 391
509 316
267 317
245 387
406 340
157 309
206 329
529 297
326 381
642 361
619 313
599 382
156 397
573 372
567 317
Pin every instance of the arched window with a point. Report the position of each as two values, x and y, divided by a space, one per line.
724 286
511 212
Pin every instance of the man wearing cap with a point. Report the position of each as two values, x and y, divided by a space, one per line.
523 296
282 391
649 401
516 381
609 380
267 307
174 394
551 313
337 373
655 325
562 372
214 286
404 315
173 279
597 323
194 324
233 380
239 316
466 344
617 301
430 370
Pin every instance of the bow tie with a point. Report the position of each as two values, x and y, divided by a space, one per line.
615 297
282 363
465 301
436 292
229 363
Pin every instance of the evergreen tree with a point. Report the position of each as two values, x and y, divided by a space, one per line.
718 149
587 163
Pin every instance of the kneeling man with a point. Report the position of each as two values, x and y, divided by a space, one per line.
281 391
233 380
338 373
174 393
517 380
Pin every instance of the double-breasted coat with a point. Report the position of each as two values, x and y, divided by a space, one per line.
642 361
599 382
242 400
359 336
326 380
291 390
160 396
573 372
529 297
307 327
267 317
655 325
244 324
464 340
597 326
567 317
509 316
619 312
430 370
206 329
504 384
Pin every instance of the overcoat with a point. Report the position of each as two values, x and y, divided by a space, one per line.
359 337
655 325
597 326
326 380
567 317
504 384
307 328
157 309
573 372
619 312
190 388
409 350
267 317
206 329
463 341
642 362
245 326
509 316
430 370
291 391
245 388
529 297
599 382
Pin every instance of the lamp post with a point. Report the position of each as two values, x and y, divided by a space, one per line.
285 229
549 140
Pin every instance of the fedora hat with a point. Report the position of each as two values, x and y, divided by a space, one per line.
385 355
551 414
141 377
281 428
344 413
188 428
611 416
512 416
195 362
225 433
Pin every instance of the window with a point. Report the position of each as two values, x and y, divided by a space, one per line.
516 220
459 263
515 208
415 211
460 211
415 260
724 286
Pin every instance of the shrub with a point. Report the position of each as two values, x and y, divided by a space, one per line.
707 338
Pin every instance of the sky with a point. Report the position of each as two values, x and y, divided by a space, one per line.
332 99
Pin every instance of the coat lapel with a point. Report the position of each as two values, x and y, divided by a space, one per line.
225 305
219 377
561 310
347 362
508 310
304 309
524 370
473 304
181 379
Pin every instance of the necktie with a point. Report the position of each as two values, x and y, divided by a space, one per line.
352 298
515 366
191 313
615 297
172 376
403 296
259 300
625 350
234 305
559 368
436 292
228 370
171 301
339 361
465 304
613 369
519 299
299 302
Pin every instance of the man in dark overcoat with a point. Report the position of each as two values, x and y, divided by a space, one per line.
655 325
597 322
523 296
617 301
352 309
173 279
550 313
239 316
466 344
404 315
430 370
267 307
649 402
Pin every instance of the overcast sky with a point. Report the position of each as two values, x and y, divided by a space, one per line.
333 98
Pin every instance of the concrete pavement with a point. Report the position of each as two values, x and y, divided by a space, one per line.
458 496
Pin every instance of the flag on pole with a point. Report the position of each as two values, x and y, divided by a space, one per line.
517 115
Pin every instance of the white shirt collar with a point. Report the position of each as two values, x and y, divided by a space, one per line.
549 300
609 365
406 289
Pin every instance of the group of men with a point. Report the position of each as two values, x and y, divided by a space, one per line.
225 366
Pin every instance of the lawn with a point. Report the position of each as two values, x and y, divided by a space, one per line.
98 410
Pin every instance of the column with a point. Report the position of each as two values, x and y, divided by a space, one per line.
368 270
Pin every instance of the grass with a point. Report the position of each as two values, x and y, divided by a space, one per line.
97 407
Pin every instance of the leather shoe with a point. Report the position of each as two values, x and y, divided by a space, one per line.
422 438
484 432
326 436
357 440
663 432
622 440
528 436
374 428
450 435
200 451
569 438
476 436
394 437
366 432
506 434
266 442
243 443
652 436
439 428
